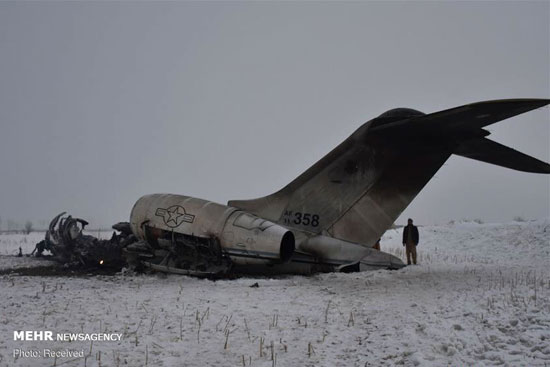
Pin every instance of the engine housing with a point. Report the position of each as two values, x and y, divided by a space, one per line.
244 237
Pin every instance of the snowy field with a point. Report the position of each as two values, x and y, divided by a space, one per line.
480 296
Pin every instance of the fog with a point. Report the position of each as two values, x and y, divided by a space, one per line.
101 103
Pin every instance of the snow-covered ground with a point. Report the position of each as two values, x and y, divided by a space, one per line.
480 296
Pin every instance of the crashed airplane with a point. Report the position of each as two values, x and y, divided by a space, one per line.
330 217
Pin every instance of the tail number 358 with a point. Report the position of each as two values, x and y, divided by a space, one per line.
306 219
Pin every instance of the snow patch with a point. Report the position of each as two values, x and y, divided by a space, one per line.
479 296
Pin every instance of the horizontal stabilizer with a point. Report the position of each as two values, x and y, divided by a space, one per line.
470 117
488 151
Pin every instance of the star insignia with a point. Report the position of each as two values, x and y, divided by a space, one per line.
174 216
174 213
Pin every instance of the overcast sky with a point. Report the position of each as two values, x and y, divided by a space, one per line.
101 103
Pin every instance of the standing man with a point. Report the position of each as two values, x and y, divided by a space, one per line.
410 240
377 245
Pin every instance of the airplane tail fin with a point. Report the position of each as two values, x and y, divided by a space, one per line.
361 187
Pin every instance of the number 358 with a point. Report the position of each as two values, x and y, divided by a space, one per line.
306 219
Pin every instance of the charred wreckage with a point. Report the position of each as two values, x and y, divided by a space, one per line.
66 242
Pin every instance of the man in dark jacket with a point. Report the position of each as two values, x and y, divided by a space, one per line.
410 240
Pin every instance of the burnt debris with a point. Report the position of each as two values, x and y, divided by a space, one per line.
67 244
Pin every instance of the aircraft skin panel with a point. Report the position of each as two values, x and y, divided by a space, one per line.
321 200
376 211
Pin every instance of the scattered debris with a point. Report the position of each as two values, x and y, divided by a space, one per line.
68 244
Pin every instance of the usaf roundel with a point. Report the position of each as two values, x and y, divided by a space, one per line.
174 216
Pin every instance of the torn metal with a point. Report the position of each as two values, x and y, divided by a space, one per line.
68 244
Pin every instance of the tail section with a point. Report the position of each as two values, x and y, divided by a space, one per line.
359 189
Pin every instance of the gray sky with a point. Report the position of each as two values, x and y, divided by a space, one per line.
101 103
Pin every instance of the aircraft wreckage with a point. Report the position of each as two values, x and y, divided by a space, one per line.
327 219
